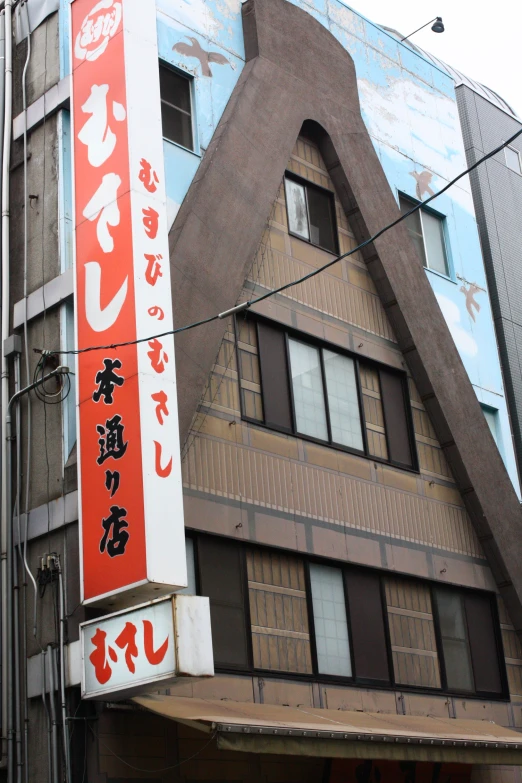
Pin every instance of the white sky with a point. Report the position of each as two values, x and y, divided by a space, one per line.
482 40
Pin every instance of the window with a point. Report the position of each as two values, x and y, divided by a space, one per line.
427 233
513 159
221 579
491 416
324 620
367 623
311 213
331 626
176 113
470 651
312 391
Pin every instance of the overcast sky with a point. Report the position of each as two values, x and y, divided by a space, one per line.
482 40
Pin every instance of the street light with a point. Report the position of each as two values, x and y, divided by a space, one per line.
437 27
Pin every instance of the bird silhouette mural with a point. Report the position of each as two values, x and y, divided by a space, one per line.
423 183
195 50
470 293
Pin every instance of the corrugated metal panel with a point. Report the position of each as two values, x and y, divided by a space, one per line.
240 473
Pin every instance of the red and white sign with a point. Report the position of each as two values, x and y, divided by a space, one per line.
129 650
131 507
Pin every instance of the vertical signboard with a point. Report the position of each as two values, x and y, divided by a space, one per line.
131 508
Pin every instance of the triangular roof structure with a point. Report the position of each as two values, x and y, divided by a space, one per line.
297 72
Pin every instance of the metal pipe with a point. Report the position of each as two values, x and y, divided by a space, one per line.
9 563
28 417
2 532
44 700
65 722
16 588
54 725
7 716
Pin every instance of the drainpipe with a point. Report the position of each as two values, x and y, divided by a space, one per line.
9 640
54 724
65 721
4 395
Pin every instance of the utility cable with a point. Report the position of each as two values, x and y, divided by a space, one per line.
245 305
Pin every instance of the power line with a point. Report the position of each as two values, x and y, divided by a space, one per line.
245 305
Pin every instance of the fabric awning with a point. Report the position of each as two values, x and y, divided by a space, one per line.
267 728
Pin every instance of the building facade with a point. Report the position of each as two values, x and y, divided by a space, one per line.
496 193
349 478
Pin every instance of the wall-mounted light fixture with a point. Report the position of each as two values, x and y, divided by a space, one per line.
437 27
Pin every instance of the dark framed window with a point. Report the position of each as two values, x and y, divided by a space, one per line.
310 211
278 612
221 578
467 624
305 387
426 229
176 106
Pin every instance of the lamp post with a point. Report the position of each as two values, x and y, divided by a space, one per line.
437 27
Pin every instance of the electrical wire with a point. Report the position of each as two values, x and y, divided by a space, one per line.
313 273
150 771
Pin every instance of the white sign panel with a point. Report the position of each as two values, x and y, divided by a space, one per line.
129 651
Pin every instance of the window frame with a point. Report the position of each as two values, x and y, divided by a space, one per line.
354 680
290 333
190 80
499 647
306 183
513 149
444 232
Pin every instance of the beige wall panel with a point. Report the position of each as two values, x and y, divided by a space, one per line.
407 561
412 633
221 686
456 571
204 515
280 532
433 706
292 694
473 709
258 478
325 293
357 699
278 612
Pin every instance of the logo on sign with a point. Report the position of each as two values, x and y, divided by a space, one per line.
98 27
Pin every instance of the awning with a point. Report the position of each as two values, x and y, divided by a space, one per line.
267 728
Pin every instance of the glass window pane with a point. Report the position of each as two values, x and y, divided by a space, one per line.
175 89
331 627
458 668
413 225
452 624
513 160
191 569
320 214
296 206
434 241
176 126
451 615
307 385
491 418
343 402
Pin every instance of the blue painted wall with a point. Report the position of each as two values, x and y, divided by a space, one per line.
410 110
